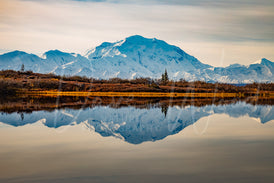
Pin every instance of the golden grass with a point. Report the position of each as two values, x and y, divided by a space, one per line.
144 94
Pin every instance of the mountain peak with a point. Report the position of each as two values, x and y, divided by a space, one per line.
56 53
142 57
14 53
266 61
235 65
136 38
133 45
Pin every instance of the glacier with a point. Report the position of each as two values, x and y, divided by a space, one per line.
134 57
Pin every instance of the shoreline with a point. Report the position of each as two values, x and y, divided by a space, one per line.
269 95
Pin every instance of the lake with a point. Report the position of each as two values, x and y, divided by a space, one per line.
139 142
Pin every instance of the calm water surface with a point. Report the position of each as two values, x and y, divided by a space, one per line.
212 143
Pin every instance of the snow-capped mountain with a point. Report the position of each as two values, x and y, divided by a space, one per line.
137 56
137 125
134 57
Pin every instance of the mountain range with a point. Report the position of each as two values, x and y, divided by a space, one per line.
135 57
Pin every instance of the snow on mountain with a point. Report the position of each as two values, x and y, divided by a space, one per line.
241 74
137 125
140 56
134 57
14 60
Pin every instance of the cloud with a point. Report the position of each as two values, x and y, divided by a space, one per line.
37 26
215 3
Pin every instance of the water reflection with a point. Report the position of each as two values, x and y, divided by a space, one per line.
135 124
44 141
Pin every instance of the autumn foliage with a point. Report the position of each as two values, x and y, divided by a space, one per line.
18 81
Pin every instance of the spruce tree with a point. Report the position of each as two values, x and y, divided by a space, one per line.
165 77
22 68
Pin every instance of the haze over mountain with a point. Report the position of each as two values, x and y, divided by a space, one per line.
134 57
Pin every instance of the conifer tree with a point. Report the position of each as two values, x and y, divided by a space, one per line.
22 68
165 77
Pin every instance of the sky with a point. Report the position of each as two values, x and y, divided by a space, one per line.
220 32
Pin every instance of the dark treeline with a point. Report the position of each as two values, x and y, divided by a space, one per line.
14 81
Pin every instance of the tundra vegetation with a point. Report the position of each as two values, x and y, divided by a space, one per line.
14 82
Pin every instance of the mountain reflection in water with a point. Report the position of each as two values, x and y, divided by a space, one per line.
133 122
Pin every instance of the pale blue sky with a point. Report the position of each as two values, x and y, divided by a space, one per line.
217 32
